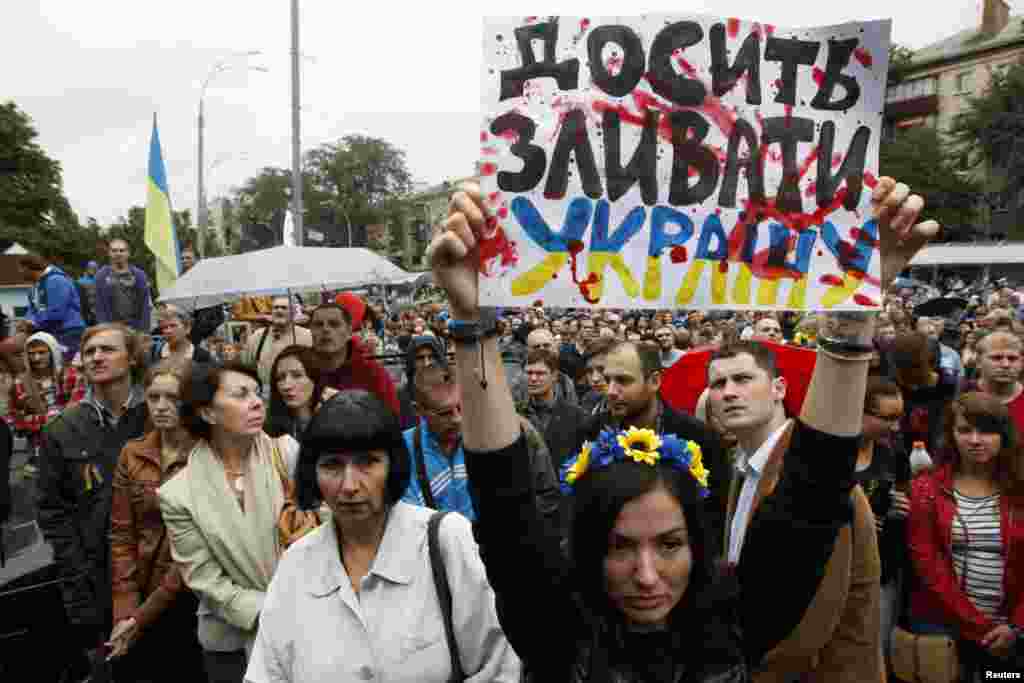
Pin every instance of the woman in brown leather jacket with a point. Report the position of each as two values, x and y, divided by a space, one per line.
154 637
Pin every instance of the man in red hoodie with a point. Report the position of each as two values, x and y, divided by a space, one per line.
344 364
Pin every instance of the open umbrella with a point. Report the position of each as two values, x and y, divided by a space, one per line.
280 270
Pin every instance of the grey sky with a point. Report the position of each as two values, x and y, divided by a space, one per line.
92 74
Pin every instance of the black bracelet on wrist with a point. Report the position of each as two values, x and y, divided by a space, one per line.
844 348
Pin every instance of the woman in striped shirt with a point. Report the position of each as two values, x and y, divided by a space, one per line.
966 529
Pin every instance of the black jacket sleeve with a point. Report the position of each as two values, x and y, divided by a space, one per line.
57 510
521 551
791 536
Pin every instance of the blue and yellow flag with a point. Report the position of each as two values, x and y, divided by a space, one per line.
161 237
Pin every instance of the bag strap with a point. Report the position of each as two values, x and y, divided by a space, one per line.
421 468
259 347
444 593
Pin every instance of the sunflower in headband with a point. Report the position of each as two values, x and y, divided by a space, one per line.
638 445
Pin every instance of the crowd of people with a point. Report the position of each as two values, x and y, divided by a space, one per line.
531 496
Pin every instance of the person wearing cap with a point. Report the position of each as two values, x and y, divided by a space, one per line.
87 292
423 352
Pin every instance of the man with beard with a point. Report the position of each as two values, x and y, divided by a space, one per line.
633 373
666 338
1000 361
343 362
79 453
262 346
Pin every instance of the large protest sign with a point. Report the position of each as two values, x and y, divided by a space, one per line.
666 161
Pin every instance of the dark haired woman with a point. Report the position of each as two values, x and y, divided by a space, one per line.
296 391
222 511
356 599
967 536
635 600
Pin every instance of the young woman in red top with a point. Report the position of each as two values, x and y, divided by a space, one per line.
966 528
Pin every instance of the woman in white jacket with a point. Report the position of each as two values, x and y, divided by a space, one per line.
356 600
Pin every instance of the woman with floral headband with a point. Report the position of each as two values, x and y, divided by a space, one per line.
637 599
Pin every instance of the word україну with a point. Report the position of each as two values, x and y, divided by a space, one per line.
692 161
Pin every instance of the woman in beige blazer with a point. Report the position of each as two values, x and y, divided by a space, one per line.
221 512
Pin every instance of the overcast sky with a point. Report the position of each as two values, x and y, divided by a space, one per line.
91 75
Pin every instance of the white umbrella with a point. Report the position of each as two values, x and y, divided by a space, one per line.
280 270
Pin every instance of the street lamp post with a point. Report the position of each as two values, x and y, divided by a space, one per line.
218 68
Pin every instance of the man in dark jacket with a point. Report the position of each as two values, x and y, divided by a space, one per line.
555 418
633 372
122 290
423 352
80 449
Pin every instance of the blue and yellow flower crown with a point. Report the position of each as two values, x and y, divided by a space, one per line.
639 445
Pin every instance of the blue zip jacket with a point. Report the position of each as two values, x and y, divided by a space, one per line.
447 476
53 304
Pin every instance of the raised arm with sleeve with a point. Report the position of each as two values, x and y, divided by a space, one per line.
519 547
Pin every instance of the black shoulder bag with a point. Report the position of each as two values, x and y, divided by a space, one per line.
444 593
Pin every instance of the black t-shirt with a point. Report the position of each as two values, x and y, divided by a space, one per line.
922 417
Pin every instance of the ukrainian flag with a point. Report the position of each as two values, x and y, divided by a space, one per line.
161 237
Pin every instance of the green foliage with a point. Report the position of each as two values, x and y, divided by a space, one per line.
900 57
920 158
31 186
361 179
989 128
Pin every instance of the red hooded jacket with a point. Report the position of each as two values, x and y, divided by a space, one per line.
938 598
362 372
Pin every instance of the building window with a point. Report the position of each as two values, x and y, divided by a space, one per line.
965 83
908 90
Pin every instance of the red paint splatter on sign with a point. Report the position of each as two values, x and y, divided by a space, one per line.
678 254
865 300
870 180
503 213
733 27
837 160
809 161
488 168
509 135
530 20
769 29
497 246
864 57
483 136
818 75
831 280
488 151
493 197
584 24
614 63
575 248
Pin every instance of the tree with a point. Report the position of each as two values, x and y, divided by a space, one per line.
31 184
358 179
33 209
918 157
900 60
992 123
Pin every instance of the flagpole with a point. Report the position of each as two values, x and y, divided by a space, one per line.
296 131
